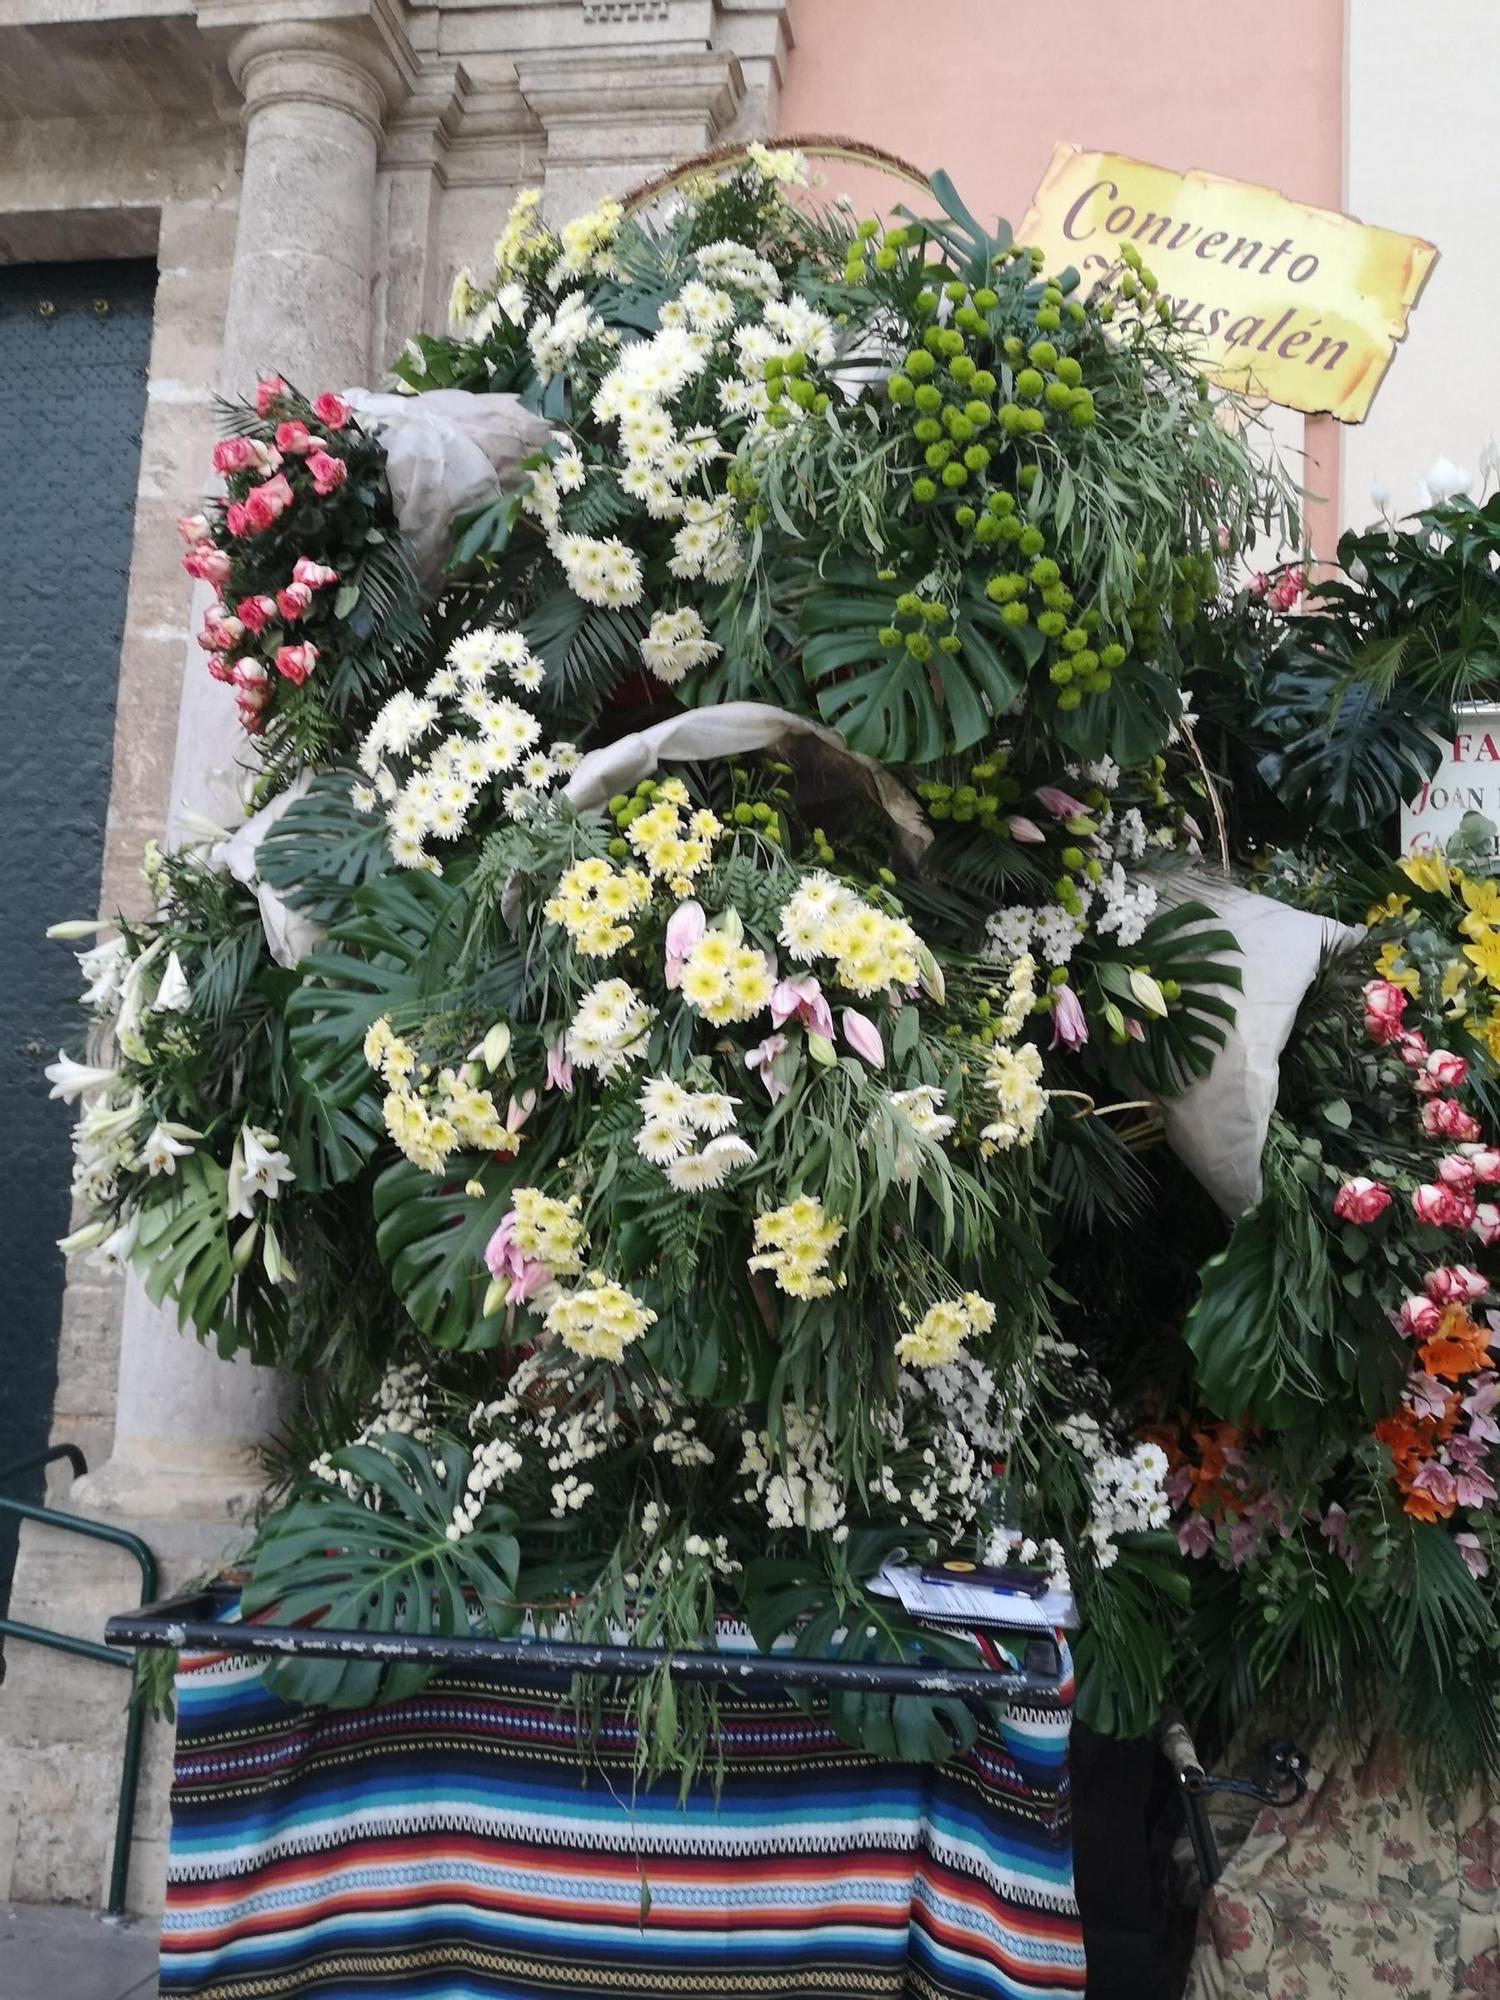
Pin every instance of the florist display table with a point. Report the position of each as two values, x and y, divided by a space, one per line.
470 1841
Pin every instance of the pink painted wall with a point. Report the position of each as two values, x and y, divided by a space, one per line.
986 90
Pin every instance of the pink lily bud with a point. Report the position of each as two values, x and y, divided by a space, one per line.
862 1035
686 927
1070 1025
1061 805
1025 829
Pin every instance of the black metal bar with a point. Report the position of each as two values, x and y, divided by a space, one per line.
70 1452
88 1649
175 1624
60 1642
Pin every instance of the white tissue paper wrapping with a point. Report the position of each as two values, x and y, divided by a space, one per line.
1217 1127
724 731
446 451
289 934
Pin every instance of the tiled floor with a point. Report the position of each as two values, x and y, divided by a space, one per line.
58 1954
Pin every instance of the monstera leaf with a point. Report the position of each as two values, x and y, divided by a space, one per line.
329 1560
886 703
182 1248
431 1235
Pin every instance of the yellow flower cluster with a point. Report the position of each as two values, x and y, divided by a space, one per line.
592 903
1021 992
872 951
428 1122
794 1244
724 981
1472 969
600 1319
943 1328
1015 1077
587 238
673 849
524 234
548 1230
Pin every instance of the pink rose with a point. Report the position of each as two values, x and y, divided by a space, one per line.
295 439
1257 587
1455 1284
686 927
862 1035
1224 539
295 663
237 518
1070 1026
250 704
331 410
265 504
1456 1172
1485 1160
235 455
209 563
193 528
1442 1071
1384 1006
315 575
268 393
1361 1200
1413 1048
1441 1207
1445 1118
219 668
220 634
328 473
1420 1318
803 1000
256 613
761 1058
294 600
1485 1223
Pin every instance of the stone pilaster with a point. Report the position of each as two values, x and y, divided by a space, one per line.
613 120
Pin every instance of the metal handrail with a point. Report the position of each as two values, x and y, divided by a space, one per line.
89 1649
181 1623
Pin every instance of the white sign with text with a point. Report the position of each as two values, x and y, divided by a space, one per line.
1466 781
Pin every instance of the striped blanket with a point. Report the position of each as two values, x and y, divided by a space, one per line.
463 1843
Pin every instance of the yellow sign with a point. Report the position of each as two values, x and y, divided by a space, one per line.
1300 305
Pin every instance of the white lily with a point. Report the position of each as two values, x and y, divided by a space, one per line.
103 969
1445 480
91 1234
163 1150
258 1167
71 1079
113 1254
76 927
173 994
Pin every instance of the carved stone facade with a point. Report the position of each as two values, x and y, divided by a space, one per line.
309 175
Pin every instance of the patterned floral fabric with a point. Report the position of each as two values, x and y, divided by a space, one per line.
1363 1889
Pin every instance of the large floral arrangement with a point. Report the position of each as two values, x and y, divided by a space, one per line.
678 1179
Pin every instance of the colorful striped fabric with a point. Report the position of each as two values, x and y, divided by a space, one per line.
463 1844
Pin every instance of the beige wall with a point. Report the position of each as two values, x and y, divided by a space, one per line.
974 87
1423 145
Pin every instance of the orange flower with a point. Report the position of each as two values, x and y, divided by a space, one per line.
1422 1507
1458 1347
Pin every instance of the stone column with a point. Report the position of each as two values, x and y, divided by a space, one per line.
184 1470
188 1425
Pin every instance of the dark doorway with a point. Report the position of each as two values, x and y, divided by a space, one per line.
74 345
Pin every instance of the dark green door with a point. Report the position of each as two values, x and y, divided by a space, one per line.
74 345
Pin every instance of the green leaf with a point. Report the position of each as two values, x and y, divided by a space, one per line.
182 1245
431 1237
329 1560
